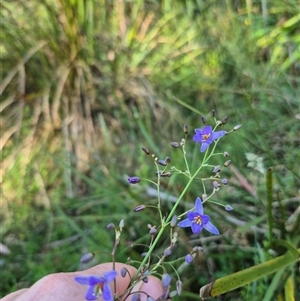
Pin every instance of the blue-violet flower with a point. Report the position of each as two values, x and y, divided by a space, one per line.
98 285
134 180
197 220
206 136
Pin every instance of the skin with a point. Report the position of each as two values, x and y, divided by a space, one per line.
63 287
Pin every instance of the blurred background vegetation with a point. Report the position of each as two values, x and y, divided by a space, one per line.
84 84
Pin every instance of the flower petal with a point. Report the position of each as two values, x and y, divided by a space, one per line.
196 228
207 130
88 280
185 223
204 146
107 294
90 294
110 276
217 135
205 219
198 206
211 228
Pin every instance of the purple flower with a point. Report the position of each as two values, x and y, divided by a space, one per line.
98 286
133 180
189 258
206 136
197 220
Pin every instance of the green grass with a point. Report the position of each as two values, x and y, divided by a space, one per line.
83 92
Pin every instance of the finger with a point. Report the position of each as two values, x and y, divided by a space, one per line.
14 295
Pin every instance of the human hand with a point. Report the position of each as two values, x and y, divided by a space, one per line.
63 287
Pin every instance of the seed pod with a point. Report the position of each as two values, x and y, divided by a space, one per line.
227 163
237 127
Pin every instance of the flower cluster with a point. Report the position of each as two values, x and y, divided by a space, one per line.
195 219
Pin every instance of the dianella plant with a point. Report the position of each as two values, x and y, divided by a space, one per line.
154 262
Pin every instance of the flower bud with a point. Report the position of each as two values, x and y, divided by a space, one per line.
215 184
217 169
87 257
213 113
145 280
134 180
185 129
173 221
165 174
166 280
197 248
225 119
175 144
204 197
228 208
237 127
145 150
123 272
179 287
189 258
227 163
136 297
226 154
111 226
162 162
139 208
168 160
121 224
203 119
152 231
167 252
224 181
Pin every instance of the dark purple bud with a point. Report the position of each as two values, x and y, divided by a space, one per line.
87 257
228 208
226 154
185 129
237 127
111 226
123 272
145 150
179 287
225 119
145 273
215 184
227 163
175 144
203 119
173 221
139 208
217 169
133 180
213 113
167 252
166 280
189 258
162 162
168 160
145 280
